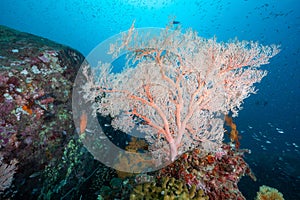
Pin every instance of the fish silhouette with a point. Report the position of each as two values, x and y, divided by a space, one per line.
175 22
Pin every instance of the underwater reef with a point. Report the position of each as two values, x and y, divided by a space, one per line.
42 156
36 78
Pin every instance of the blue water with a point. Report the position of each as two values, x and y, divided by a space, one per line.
269 123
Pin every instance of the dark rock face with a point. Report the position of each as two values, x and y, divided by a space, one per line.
36 78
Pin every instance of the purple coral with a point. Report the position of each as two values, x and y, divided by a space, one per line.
6 107
6 131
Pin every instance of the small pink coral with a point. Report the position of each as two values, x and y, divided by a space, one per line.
44 58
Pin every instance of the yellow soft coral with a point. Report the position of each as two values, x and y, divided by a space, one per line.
136 144
268 193
127 163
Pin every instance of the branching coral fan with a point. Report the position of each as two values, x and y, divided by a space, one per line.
7 172
176 88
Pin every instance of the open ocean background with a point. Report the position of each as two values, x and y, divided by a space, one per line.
270 121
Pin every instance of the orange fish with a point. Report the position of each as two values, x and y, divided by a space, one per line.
234 134
83 122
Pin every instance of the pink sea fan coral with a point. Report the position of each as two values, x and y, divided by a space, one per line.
180 88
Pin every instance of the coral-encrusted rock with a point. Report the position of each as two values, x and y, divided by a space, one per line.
216 173
36 78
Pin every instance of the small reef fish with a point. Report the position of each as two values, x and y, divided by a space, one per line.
175 22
